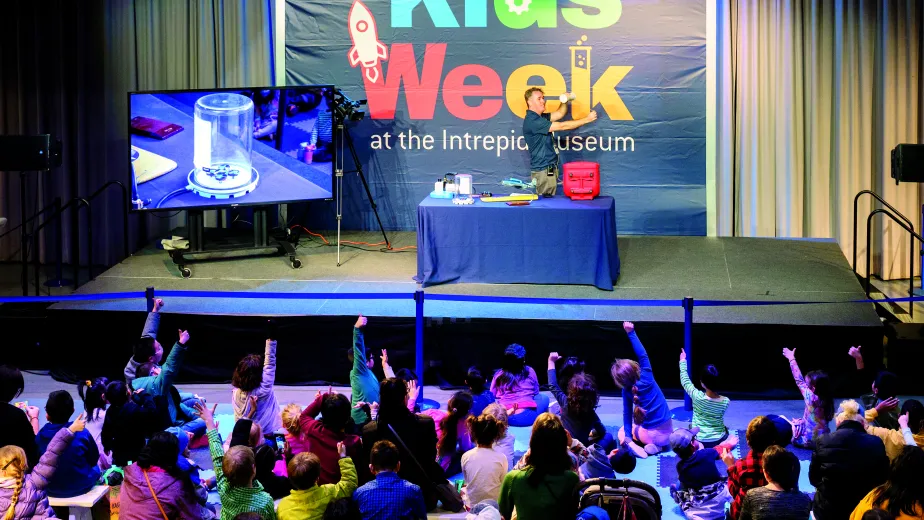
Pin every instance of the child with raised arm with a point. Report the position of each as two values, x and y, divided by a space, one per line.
158 382
579 407
708 407
254 377
234 475
363 384
23 493
819 403
147 348
647 424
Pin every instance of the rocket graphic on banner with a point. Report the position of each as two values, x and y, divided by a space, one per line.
367 50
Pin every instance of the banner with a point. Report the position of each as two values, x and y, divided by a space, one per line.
445 79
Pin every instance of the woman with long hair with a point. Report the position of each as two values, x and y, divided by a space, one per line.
417 434
517 388
903 493
644 409
544 488
154 487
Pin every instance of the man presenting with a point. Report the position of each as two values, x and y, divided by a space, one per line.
537 129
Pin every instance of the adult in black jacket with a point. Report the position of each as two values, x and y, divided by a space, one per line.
417 431
17 427
129 421
847 464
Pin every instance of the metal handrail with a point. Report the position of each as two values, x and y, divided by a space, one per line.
869 223
75 261
886 204
125 203
30 219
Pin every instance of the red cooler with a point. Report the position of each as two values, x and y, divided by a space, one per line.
581 180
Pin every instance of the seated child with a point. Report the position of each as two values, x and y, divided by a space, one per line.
309 500
234 475
254 378
578 407
477 385
708 406
819 403
517 388
702 492
483 467
25 492
129 421
321 437
780 498
388 496
453 437
747 473
78 466
247 433
505 442
188 466
882 403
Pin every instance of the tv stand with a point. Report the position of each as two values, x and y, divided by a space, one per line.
223 245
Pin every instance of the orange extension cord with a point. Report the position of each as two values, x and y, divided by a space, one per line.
349 242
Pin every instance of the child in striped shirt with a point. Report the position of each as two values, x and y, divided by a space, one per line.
708 407
234 474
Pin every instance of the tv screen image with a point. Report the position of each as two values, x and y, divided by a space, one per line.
198 149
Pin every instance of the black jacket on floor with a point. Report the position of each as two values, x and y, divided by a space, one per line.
847 464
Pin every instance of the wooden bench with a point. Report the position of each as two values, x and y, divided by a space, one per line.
80 507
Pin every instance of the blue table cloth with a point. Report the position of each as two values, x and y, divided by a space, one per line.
551 241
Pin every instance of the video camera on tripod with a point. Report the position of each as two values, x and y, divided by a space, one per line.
345 109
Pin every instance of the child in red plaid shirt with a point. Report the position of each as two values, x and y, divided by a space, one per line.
748 473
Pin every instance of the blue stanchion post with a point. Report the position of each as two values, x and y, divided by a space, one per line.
149 296
419 350
688 346
685 412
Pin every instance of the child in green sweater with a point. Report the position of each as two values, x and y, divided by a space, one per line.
308 500
234 475
708 407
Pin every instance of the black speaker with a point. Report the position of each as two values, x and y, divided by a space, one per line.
908 163
19 153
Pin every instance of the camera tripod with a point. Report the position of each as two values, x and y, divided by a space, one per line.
343 135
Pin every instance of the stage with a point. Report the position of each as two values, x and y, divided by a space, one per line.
748 269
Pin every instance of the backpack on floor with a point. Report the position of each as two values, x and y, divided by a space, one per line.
623 499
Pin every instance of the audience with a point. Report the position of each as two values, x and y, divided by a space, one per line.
22 494
902 495
418 433
579 407
819 403
254 377
321 437
645 412
234 475
155 487
93 394
505 442
702 493
147 349
846 464
477 385
896 440
748 473
389 497
78 468
309 500
780 498
483 467
363 384
708 406
516 388
19 428
158 382
544 489
130 419
453 437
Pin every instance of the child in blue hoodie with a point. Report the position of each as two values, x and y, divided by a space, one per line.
78 469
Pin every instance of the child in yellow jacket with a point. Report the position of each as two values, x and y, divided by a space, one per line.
308 500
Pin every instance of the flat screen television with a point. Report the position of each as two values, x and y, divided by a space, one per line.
201 149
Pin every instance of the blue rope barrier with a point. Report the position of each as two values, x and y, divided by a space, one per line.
73 297
555 301
286 296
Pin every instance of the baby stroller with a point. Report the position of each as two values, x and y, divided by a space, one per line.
623 499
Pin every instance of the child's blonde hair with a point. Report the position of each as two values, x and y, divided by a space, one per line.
256 435
850 410
239 466
500 413
290 418
13 462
